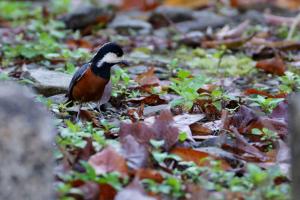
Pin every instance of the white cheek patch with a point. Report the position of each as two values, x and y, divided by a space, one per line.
109 58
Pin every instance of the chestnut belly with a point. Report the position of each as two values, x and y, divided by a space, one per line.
89 88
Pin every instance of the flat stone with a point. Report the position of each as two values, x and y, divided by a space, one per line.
124 24
87 15
163 15
26 133
49 82
193 38
154 110
203 20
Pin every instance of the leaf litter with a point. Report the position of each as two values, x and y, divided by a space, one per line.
206 119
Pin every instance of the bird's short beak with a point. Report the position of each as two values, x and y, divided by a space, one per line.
123 63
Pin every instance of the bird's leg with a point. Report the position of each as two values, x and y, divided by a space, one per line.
78 113
99 110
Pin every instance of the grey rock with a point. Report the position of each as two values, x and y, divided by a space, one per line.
86 15
203 20
254 16
153 110
124 24
49 82
59 98
26 134
193 38
164 14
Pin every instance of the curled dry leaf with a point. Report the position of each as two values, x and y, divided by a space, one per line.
290 4
90 117
108 160
251 91
134 152
188 4
197 157
148 78
207 88
243 145
144 5
162 128
246 119
274 66
205 128
152 100
182 122
146 173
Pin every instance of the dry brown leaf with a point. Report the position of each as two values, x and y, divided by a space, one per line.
197 157
146 173
188 4
108 160
273 66
148 78
144 5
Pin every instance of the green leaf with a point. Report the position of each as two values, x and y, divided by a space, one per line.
182 136
256 131
157 143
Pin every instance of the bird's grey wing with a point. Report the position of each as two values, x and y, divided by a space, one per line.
76 77
106 94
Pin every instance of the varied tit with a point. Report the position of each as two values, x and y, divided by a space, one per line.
90 81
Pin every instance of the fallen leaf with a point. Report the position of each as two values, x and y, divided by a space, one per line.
90 117
241 147
182 122
161 128
280 111
144 5
148 78
108 160
107 192
152 100
197 157
289 4
207 88
147 173
88 190
189 4
252 91
274 66
246 119
205 128
135 153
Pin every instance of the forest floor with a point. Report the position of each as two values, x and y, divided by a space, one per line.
200 113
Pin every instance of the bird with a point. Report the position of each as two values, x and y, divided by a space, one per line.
91 81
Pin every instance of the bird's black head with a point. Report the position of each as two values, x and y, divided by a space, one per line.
107 56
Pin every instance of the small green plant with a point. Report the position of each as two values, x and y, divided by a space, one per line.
266 135
120 82
216 62
75 135
289 82
171 186
18 10
187 87
266 104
